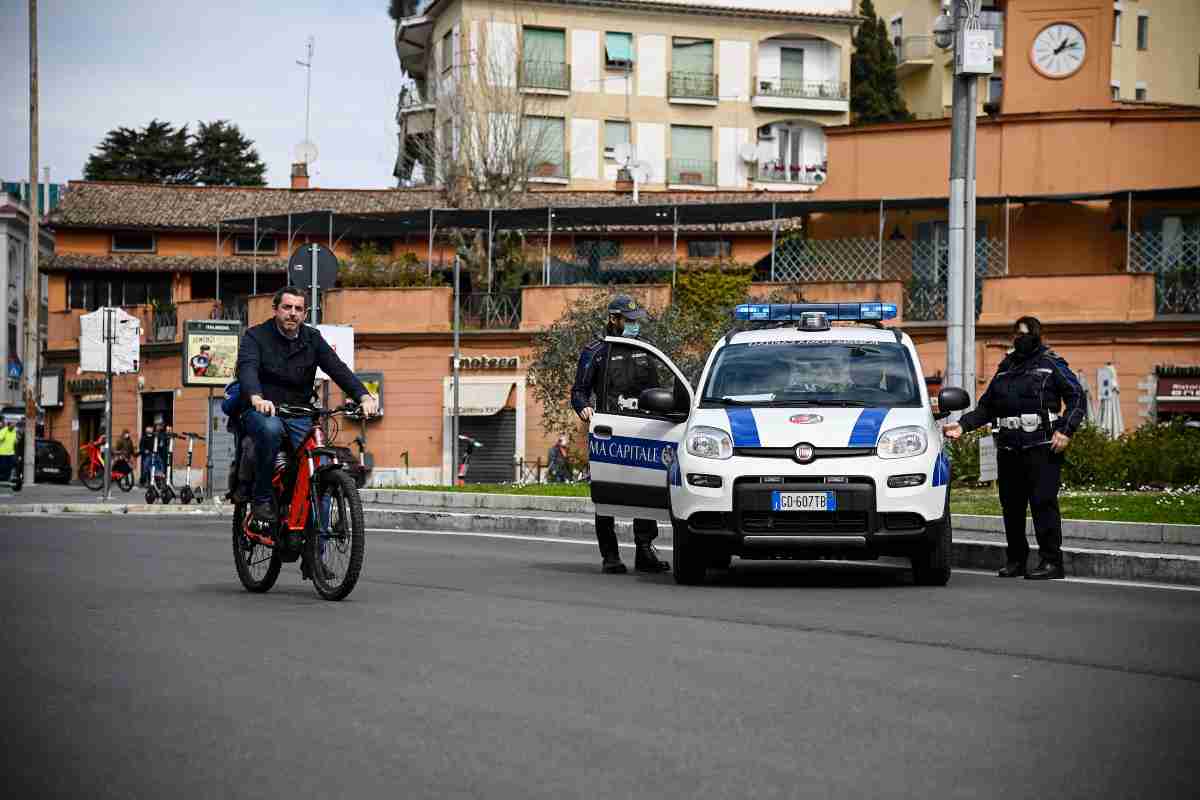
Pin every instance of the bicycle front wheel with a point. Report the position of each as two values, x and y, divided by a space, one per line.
335 545
91 475
257 565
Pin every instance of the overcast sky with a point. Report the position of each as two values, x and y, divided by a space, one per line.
107 63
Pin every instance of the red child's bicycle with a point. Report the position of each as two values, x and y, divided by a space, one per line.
319 517
91 468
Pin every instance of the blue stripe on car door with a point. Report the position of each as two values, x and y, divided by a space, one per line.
866 427
743 427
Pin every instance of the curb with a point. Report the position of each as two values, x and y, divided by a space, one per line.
141 509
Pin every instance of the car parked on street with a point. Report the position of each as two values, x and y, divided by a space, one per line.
51 462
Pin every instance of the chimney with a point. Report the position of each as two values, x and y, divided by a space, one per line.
300 176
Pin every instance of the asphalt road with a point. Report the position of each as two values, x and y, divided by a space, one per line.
135 666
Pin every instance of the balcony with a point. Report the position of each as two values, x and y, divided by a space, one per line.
545 77
554 168
691 172
416 100
800 95
913 54
795 176
692 88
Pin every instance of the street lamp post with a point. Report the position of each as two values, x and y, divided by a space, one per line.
956 29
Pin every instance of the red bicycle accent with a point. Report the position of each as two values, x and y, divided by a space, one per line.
91 468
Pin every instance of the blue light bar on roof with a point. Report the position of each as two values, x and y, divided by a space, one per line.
836 312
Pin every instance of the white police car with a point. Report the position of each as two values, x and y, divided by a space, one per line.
804 440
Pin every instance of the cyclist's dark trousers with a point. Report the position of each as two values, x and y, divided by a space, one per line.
1030 478
6 466
644 532
267 433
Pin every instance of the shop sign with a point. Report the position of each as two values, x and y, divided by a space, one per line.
210 351
86 386
1186 389
487 362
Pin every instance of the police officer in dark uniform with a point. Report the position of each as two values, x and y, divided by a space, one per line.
1034 404
627 377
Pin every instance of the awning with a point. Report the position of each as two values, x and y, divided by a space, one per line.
478 399
618 46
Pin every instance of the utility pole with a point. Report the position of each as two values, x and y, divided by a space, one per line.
33 282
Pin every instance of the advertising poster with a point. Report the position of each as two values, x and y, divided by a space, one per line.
374 383
210 352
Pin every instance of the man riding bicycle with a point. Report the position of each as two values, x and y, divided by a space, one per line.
277 365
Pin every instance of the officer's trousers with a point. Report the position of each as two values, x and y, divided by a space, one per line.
1030 479
644 532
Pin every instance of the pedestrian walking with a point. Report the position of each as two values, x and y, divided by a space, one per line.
8 449
146 455
123 449
1034 404
627 376
558 465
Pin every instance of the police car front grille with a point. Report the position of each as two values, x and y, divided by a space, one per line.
805 522
790 452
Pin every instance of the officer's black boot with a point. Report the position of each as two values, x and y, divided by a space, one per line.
645 556
1047 570
610 554
1013 569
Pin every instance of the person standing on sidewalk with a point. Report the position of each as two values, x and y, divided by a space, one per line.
8 449
624 319
146 455
1023 403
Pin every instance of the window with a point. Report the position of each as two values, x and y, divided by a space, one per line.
692 55
597 249
1117 27
1140 93
133 242
629 372
91 291
244 245
710 248
618 51
1116 91
897 31
791 65
615 133
691 156
545 143
1143 32
544 59
995 89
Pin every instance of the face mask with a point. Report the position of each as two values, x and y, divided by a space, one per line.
1026 343
632 329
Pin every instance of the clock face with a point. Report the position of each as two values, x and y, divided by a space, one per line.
1058 50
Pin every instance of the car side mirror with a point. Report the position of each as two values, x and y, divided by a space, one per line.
657 401
951 399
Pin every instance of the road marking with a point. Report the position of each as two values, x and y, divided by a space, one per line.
667 547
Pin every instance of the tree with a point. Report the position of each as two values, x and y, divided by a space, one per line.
158 153
217 155
224 157
874 88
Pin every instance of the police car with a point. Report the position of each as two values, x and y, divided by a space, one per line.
805 438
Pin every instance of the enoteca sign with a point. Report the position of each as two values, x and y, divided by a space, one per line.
487 362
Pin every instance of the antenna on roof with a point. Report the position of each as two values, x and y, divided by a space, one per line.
307 64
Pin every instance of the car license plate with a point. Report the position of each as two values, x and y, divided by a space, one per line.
52 470
803 501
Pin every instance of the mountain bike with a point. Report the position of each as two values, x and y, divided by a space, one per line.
91 468
319 517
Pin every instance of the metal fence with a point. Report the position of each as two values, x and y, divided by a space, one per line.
801 89
692 171
1175 262
492 310
162 325
553 75
692 85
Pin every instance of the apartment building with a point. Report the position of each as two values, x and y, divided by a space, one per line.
1154 55
14 261
728 94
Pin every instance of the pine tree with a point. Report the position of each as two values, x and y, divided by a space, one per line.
224 157
874 89
158 153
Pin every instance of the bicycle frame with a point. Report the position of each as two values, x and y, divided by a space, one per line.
303 495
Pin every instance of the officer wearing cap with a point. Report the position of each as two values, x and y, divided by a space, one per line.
1023 404
624 319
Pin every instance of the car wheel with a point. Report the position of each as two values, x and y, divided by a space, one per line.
931 564
689 557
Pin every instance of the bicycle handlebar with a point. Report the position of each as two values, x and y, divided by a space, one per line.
313 412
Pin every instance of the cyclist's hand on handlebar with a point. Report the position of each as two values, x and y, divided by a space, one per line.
369 405
263 406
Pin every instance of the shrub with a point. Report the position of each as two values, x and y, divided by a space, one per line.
369 269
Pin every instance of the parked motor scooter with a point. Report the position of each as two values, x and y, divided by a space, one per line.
187 494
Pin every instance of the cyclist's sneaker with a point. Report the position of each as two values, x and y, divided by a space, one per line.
306 572
261 525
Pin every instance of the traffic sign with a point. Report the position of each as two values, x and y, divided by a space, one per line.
300 267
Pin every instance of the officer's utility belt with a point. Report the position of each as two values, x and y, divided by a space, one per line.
1024 422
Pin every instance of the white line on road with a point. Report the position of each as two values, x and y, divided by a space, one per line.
557 540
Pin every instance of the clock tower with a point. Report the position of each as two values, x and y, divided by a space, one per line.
1058 55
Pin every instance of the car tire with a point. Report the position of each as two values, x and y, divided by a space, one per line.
718 559
931 564
689 557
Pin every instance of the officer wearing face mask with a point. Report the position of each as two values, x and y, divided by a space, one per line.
628 376
1034 405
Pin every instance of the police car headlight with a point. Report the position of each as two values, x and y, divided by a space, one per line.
709 443
902 442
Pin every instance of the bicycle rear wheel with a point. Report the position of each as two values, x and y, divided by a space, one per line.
91 475
335 547
126 482
257 565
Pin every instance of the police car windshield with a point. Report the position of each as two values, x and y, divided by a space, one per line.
813 374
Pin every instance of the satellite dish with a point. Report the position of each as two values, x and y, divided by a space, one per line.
306 152
640 171
622 153
748 152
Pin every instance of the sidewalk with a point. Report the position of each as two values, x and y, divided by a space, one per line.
1120 551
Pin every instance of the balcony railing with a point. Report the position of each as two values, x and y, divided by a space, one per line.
913 48
691 172
692 86
550 167
1175 262
545 75
801 89
776 172
492 310
163 323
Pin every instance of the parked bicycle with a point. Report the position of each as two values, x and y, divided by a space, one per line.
186 493
91 468
319 516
